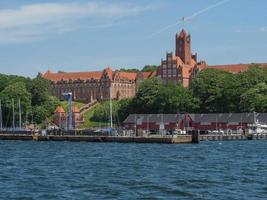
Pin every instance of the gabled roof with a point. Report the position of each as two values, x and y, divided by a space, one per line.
186 71
72 75
147 75
75 109
108 71
128 75
223 117
59 109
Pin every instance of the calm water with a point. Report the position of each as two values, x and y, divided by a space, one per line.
211 170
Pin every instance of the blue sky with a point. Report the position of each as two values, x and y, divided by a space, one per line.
83 35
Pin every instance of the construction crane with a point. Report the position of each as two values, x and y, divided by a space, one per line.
69 95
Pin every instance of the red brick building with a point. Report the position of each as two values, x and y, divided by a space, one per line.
99 85
180 67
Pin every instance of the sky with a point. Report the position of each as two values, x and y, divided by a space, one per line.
84 35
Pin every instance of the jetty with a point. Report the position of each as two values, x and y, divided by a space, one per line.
164 139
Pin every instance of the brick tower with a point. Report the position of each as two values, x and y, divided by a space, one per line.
183 47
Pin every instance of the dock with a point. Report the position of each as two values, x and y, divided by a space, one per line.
164 139
119 139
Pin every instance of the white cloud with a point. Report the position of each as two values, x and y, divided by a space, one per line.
36 20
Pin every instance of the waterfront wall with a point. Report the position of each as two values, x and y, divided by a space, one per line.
176 139
120 139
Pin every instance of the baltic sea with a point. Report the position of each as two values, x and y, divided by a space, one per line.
65 170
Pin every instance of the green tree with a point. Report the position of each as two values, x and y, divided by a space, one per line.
176 98
39 88
149 68
254 99
145 100
15 92
215 90
129 70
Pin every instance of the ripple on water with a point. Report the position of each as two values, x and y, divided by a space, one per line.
210 170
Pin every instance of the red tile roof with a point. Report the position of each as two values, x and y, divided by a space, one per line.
75 109
72 75
128 75
147 75
59 109
236 68
186 71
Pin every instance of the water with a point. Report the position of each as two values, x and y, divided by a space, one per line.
65 170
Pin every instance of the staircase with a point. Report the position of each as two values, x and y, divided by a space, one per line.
88 106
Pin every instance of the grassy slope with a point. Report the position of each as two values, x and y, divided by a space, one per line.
88 123
87 118
65 105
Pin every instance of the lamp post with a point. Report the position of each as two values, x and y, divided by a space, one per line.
69 95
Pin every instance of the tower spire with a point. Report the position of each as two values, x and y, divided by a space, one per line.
183 47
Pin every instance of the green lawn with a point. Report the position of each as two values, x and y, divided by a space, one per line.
65 105
88 123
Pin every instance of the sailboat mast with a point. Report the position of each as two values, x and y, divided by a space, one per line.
1 119
19 115
13 118
110 107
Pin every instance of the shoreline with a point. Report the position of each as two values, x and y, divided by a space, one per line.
176 139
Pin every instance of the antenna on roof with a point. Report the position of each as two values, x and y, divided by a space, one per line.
183 22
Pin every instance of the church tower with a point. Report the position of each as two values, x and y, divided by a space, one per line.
183 47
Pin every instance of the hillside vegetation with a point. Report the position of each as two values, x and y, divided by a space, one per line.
36 102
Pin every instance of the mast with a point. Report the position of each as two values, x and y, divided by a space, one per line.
13 111
1 120
32 118
26 120
110 107
59 124
19 115
70 111
135 124
216 123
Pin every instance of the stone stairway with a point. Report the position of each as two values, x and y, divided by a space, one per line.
87 107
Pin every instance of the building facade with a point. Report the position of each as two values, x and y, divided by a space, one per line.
99 85
178 68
